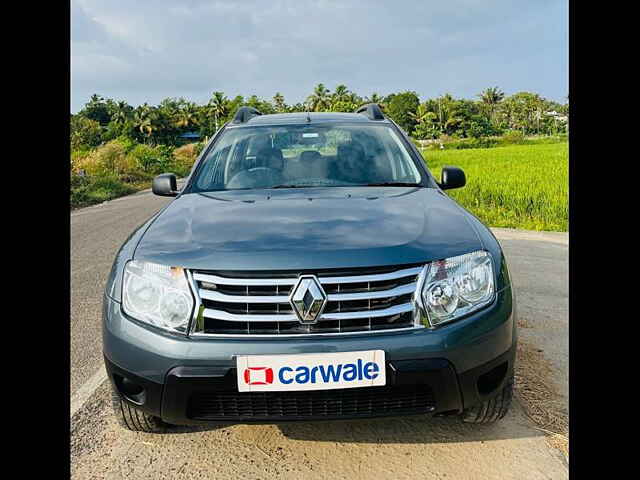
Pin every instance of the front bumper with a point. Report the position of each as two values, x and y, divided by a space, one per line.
200 395
193 381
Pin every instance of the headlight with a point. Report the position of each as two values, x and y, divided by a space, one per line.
457 286
158 295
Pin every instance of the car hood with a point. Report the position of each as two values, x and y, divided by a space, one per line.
312 228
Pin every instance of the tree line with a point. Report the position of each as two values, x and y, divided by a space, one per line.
491 113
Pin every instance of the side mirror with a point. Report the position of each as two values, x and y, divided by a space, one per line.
165 185
452 177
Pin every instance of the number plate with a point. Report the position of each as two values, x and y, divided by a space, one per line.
310 371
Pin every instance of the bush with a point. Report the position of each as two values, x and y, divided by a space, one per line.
78 181
77 157
478 127
452 143
127 143
90 190
513 137
155 160
123 166
136 176
107 159
185 156
474 143
144 156
85 133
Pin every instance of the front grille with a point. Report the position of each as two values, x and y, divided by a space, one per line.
257 303
347 402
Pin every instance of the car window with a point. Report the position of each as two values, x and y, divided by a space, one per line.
306 156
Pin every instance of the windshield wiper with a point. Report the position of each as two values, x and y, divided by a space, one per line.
292 186
389 184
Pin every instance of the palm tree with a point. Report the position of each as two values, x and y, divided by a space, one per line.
375 98
448 112
491 95
319 100
122 113
354 98
340 94
218 106
278 102
422 114
143 120
187 117
426 122
490 98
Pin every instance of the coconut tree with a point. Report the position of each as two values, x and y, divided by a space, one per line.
521 109
122 113
490 98
320 99
97 109
426 122
187 117
375 98
143 120
340 94
343 106
218 106
421 113
278 102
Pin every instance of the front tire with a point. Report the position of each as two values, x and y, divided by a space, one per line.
133 419
492 409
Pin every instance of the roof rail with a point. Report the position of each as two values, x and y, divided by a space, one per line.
244 114
372 111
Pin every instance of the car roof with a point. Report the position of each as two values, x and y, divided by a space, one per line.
303 118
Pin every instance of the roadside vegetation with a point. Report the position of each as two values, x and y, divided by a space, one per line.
515 160
122 166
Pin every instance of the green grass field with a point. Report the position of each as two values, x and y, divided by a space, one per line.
519 186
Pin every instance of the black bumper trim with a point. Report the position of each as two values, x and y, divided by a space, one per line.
416 381
153 391
469 379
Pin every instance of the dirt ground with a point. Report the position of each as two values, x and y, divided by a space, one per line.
398 448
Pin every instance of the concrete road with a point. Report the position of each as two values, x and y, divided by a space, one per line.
406 447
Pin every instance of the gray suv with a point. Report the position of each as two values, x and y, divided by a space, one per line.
310 268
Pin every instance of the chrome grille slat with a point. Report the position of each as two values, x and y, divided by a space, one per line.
257 304
203 277
222 297
376 277
232 317
333 297
372 294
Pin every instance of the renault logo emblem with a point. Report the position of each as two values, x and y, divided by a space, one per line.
308 299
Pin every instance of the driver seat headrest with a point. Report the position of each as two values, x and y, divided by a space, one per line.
270 157
352 154
309 156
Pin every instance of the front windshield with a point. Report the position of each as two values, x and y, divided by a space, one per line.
294 156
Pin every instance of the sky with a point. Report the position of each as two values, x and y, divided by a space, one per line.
148 50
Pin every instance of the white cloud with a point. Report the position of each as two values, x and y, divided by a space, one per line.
145 51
